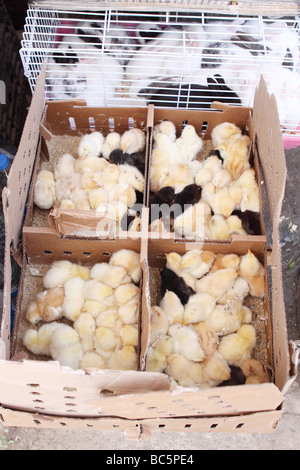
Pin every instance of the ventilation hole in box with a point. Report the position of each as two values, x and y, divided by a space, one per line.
187 425
48 252
38 423
72 123
130 123
33 385
240 425
213 426
38 401
106 253
35 393
88 425
70 398
213 397
152 408
70 389
140 403
160 256
116 426
67 253
106 392
63 424
111 124
39 408
87 254
92 122
70 404
204 127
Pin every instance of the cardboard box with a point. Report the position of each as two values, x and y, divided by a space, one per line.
40 394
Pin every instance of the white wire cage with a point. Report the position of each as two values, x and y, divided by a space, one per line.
182 59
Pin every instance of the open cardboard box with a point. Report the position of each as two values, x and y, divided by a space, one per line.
204 122
40 394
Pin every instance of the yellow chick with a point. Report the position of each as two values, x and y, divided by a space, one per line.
90 164
128 259
198 308
159 323
97 197
254 371
197 262
67 204
125 358
218 199
50 304
88 182
65 346
216 283
250 192
133 141
90 145
212 163
235 225
63 270
38 341
66 187
108 318
165 127
169 148
125 293
217 228
173 307
85 326
203 176
216 370
105 340
189 143
221 178
111 275
225 261
98 291
92 360
130 175
250 266
111 142
110 173
228 318
187 373
44 190
185 341
237 347
224 131
74 298
207 337
235 153
181 175
191 223
129 312
65 166
158 353
129 335
239 290
93 307
173 261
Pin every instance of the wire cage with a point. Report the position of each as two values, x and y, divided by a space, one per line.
181 58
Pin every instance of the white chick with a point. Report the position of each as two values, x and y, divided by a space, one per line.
65 187
85 326
111 142
92 360
133 141
195 166
108 317
187 373
111 275
191 223
90 145
221 178
235 225
237 347
169 151
238 291
65 166
129 312
219 199
97 197
125 293
90 164
65 346
63 270
74 298
197 262
216 370
217 228
216 283
44 190
165 127
128 259
224 131
93 307
189 143
173 307
87 180
181 175
203 176
38 341
213 163
99 292
159 323
130 175
224 321
124 359
185 341
158 353
110 173
198 308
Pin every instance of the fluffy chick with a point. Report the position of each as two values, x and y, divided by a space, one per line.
38 341
44 190
65 346
216 283
197 262
97 197
90 145
129 260
74 298
85 326
128 313
63 270
92 360
111 142
173 307
198 308
237 347
125 293
158 353
189 143
133 140
225 261
221 178
191 223
235 225
90 164
105 340
250 266
165 127
170 281
108 317
249 200
215 370
65 166
217 228
185 372
111 275
207 337
185 342
129 335
219 199
228 318
224 131
49 306
132 176
235 153
254 371
125 358
159 323
239 290
99 292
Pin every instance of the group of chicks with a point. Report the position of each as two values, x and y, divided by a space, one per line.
210 199
89 317
106 176
201 332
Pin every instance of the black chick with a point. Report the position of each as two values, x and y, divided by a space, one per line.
139 161
216 153
237 377
172 282
117 156
190 195
163 196
250 221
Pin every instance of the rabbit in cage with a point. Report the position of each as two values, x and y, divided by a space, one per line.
75 72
